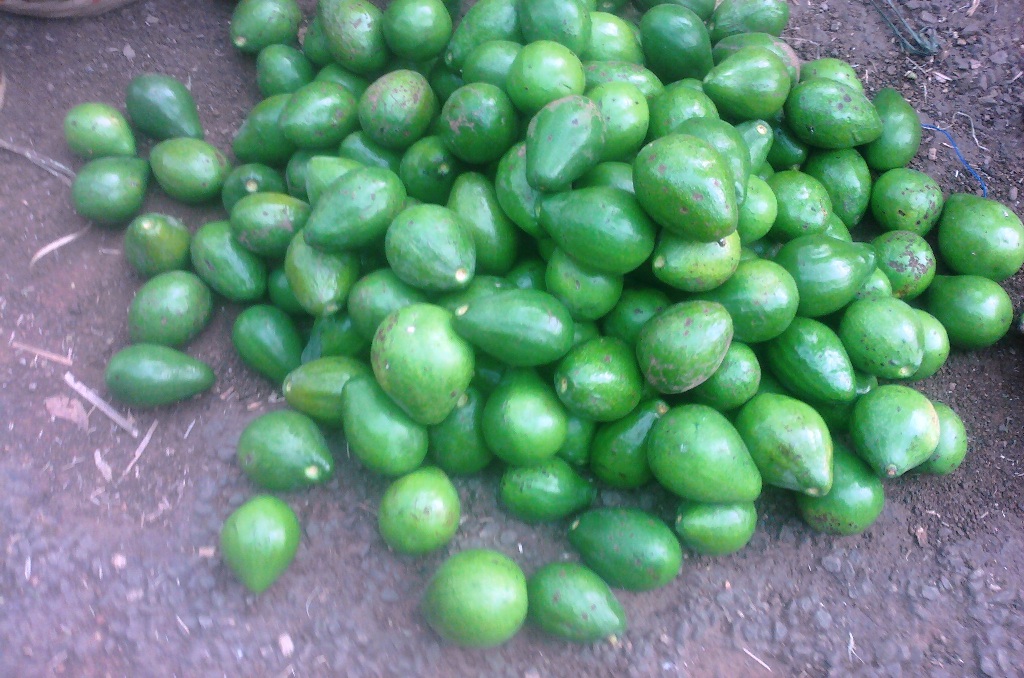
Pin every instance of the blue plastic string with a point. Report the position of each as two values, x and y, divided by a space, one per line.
956 149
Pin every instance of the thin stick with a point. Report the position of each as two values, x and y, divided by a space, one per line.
56 245
756 659
3 87
90 395
55 168
139 450
973 135
42 353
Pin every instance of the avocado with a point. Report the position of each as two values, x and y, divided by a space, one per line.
684 344
284 450
151 375
549 491
258 541
96 130
627 547
171 309
162 107
571 601
419 512
894 428
380 435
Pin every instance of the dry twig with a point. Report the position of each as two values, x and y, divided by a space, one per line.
56 245
139 450
62 172
42 353
102 405
756 659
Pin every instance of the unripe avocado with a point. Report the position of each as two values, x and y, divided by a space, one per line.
284 450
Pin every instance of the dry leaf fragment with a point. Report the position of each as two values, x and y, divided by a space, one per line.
68 409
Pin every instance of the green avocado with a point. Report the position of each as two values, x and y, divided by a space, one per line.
267 341
259 139
734 382
685 185
284 450
612 38
549 491
430 248
684 344
496 238
485 20
952 447
811 362
828 114
627 547
599 72
319 280
908 261
564 140
110 190
250 178
980 236
156 243
421 362
225 265
675 43
319 115
748 16
908 200
750 84
457 444
476 598
761 297
417 30
695 453
571 601
883 337
828 272
171 309
397 109
419 512
377 294
266 223
854 502
355 210
314 388
894 428
692 265
96 130
542 72
901 132
566 22
151 375
478 123
258 23
428 170
846 179
587 292
259 540
601 227
976 311
789 442
355 34
599 379
380 435
524 423
522 328
803 205
282 69
618 453
715 529
162 107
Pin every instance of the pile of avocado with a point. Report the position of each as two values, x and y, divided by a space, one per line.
594 250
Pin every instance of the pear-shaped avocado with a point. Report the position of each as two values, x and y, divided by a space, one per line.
789 442
549 491
429 248
854 502
381 436
355 210
571 601
170 309
376 295
846 179
715 529
566 22
901 132
189 170
284 450
564 140
485 20
524 422
761 297
156 243
979 236
883 337
151 375
694 266
256 24
320 281
734 382
519 200
319 115
676 105
975 311
676 43
683 345
417 30
267 341
601 227
618 453
810 360
95 130
599 379
828 114
228 268
259 139
612 38
314 388
259 541
523 328
110 190
428 170
832 68
266 223
752 83
935 343
419 512
421 362
828 272
952 447
894 428
457 444
748 16
282 69
627 547
686 186
587 292
697 454
542 72
162 107
476 598
496 239
355 34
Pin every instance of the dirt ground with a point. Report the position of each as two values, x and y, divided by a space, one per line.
111 571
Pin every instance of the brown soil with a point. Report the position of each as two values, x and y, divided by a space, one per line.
118 574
